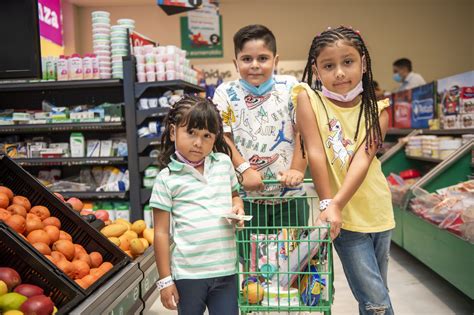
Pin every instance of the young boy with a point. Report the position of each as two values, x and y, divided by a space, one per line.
257 113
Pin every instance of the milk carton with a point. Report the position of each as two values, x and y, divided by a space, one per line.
63 68
75 67
87 67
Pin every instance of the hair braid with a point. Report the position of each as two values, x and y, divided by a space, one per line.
369 107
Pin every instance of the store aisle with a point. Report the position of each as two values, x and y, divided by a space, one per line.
415 290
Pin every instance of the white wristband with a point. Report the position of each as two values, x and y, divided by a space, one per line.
243 167
164 283
323 204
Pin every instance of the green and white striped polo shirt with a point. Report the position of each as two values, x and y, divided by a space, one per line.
204 241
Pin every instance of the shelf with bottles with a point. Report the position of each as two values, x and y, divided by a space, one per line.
24 86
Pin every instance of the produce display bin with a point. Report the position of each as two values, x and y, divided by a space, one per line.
149 292
119 295
22 183
449 255
33 270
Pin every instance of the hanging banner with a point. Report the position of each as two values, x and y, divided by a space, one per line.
201 32
178 6
50 24
140 40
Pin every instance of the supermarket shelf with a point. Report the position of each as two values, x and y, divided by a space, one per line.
424 158
399 132
119 295
95 194
140 88
58 85
55 127
143 143
150 113
72 161
145 194
145 161
441 132
448 132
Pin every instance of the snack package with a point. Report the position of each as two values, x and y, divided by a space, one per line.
312 286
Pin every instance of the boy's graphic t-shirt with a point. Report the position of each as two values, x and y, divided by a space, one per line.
204 241
370 209
262 127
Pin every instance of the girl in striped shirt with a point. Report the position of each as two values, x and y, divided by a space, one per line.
197 187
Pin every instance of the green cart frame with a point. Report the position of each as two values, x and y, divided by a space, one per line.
285 259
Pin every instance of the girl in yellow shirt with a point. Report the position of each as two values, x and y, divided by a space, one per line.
342 127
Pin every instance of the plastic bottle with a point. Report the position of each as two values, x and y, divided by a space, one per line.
95 66
51 68
87 68
75 67
63 68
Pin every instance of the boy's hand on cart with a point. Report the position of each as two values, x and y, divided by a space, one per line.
252 180
333 215
170 297
290 178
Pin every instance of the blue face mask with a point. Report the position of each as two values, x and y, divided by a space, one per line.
397 77
264 88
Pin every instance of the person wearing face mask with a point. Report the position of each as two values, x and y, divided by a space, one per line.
257 114
403 74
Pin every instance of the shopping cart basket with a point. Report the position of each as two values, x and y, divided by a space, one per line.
285 257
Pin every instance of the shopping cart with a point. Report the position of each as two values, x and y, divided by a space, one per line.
285 257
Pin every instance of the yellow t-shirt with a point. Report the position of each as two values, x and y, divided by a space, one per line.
370 209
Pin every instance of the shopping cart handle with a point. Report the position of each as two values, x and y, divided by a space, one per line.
276 181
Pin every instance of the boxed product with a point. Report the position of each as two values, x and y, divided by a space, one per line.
466 120
467 100
77 144
422 108
455 98
106 148
93 148
402 107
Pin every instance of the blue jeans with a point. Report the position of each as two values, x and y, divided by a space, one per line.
364 257
219 295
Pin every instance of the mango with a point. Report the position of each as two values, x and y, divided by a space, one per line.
11 301
139 226
115 240
144 242
130 235
3 288
136 247
123 221
115 230
149 235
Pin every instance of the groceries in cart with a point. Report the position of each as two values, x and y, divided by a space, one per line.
287 268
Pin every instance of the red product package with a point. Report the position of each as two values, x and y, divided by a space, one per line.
411 173
402 108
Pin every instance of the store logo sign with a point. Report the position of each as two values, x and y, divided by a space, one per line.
49 12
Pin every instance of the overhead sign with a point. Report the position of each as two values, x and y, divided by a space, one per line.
201 32
50 24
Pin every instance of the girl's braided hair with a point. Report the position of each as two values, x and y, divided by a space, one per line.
195 113
369 101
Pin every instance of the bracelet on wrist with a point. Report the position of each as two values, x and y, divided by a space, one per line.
323 204
164 283
243 167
